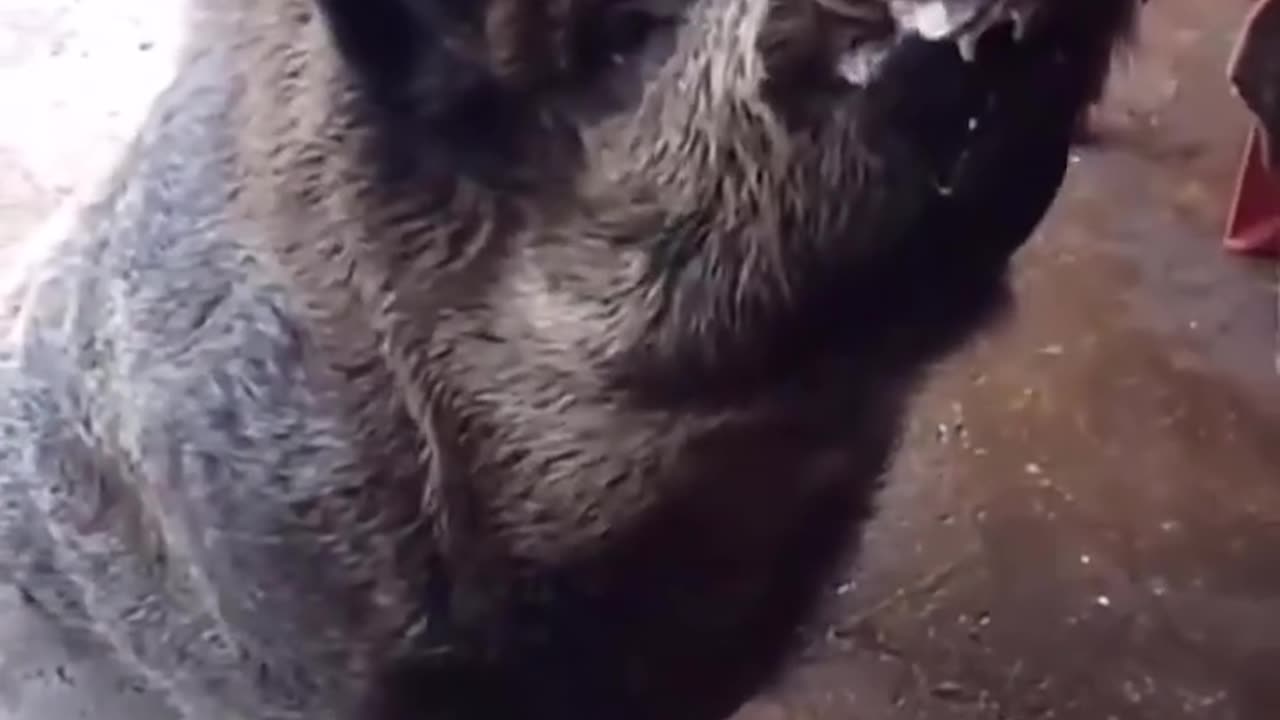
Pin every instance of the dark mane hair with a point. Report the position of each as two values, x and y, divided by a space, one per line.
495 358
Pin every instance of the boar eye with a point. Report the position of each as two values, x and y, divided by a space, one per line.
619 33
629 31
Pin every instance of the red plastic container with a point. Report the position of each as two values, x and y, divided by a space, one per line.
1253 228
1254 224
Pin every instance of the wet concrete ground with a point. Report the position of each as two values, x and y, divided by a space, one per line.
1085 521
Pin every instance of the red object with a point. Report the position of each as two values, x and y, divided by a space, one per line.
1254 224
1254 72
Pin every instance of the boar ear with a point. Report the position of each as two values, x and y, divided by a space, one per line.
394 43
430 67
374 35
448 48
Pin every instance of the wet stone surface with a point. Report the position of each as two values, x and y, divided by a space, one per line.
1085 521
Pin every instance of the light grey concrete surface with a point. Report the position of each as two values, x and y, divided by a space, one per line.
76 78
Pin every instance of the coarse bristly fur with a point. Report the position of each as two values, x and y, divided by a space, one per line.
434 359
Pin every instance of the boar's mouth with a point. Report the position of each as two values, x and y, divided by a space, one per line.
948 73
960 22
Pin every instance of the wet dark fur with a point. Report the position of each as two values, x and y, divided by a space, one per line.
465 373
1255 75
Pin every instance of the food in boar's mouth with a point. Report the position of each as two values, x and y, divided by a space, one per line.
962 22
